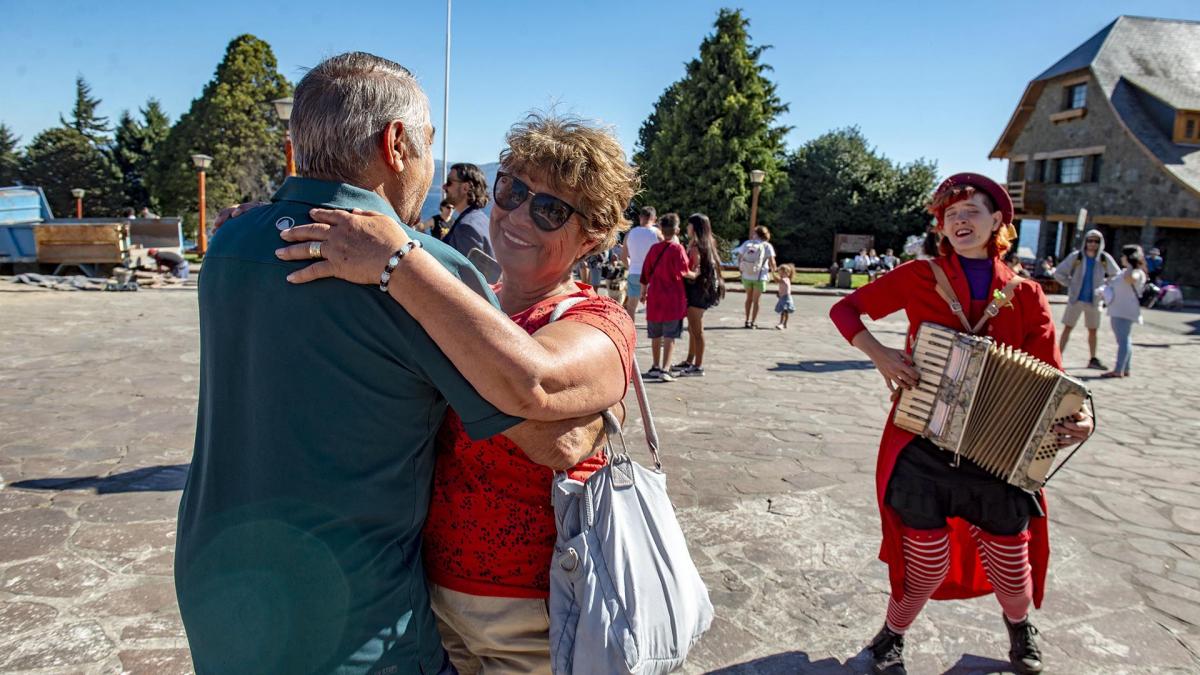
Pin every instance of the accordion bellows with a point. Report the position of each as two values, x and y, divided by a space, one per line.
988 402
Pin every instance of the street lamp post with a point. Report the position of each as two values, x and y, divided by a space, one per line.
202 163
283 108
78 193
446 98
756 179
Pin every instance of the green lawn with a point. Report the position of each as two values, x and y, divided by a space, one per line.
818 279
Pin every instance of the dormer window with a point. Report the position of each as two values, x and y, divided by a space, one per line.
1187 127
1076 96
1074 100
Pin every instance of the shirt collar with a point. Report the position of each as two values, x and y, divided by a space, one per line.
333 195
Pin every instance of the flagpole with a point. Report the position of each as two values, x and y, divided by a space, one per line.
446 98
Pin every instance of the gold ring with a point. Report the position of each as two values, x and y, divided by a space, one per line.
314 249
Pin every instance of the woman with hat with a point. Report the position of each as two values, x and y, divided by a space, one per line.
951 531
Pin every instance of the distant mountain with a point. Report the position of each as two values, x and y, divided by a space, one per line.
435 191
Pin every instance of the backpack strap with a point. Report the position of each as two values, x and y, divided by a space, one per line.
945 290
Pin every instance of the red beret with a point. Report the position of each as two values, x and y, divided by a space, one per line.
980 182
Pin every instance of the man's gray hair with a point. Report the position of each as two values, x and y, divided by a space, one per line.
343 105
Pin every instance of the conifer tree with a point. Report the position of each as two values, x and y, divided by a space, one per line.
85 117
61 159
10 157
134 152
711 128
233 121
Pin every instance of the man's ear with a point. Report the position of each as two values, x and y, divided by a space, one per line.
394 145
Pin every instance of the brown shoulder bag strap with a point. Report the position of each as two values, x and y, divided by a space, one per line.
997 303
945 290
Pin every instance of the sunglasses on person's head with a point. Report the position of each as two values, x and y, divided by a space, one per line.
549 213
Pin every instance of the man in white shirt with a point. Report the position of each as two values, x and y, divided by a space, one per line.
637 244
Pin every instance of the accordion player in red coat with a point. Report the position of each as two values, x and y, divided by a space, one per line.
956 531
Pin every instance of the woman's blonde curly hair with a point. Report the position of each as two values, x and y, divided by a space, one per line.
573 155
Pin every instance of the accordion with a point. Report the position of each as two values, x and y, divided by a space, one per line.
995 405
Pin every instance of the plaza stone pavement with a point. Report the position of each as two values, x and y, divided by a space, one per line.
770 461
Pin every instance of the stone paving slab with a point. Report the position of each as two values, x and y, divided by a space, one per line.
770 459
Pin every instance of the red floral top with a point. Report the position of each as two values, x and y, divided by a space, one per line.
490 529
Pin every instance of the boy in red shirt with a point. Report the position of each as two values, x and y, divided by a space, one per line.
663 273
955 531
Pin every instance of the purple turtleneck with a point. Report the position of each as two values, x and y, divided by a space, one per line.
979 276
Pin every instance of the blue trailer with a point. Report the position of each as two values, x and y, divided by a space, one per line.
21 208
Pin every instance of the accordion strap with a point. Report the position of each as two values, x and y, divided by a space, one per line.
945 290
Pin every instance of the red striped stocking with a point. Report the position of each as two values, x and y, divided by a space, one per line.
926 563
1005 558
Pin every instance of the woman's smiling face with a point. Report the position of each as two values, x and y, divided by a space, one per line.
530 254
969 225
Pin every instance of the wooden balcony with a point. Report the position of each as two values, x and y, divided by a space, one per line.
1027 197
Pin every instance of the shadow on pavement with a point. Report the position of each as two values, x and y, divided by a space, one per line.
822 366
146 479
970 663
786 664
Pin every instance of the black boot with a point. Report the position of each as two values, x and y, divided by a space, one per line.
1023 651
887 650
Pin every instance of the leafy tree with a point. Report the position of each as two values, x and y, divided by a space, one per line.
838 184
10 157
136 143
711 128
234 122
84 117
60 159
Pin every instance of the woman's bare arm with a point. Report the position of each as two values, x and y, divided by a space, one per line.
566 369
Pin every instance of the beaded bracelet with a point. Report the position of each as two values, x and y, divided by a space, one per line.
395 260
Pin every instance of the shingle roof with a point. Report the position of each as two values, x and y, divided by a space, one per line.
1178 94
1161 57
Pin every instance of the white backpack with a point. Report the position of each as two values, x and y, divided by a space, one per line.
753 259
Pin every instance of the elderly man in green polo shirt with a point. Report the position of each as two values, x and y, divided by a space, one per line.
299 529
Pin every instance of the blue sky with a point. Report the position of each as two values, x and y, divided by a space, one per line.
938 79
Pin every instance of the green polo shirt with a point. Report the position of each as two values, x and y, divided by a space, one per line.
299 540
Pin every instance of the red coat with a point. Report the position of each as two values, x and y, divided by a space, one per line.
1027 324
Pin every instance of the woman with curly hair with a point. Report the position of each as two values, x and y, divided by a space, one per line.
560 196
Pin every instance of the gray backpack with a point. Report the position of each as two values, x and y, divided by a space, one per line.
625 596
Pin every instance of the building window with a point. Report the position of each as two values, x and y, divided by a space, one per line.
1070 170
1094 169
1041 171
1016 172
1187 127
1076 96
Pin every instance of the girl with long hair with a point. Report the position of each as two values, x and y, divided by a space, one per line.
702 293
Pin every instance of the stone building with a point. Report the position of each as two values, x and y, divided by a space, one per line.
1114 128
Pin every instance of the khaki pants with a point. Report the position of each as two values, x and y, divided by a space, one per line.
493 636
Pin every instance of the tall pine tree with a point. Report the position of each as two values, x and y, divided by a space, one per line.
711 128
76 155
10 157
134 152
234 121
84 116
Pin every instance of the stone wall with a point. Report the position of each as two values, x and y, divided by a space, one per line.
1131 182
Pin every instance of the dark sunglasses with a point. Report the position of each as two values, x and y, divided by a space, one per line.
549 213
1093 241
